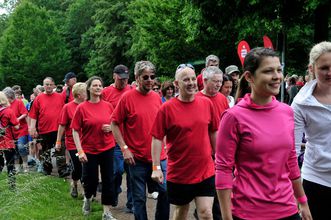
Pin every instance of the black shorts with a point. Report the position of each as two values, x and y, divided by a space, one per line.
182 194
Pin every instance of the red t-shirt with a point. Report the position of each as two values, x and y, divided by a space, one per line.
66 116
137 113
89 118
112 95
200 80
46 108
7 119
186 126
19 109
220 103
64 95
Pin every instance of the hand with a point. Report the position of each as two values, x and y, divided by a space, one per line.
58 147
305 212
82 158
106 128
128 157
157 176
33 132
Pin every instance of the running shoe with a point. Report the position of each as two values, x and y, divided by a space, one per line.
74 191
86 206
108 216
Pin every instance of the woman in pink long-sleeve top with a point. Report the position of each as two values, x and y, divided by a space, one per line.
256 137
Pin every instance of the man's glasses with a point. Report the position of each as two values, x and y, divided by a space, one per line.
183 65
146 77
49 84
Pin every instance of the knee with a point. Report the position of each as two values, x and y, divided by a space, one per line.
205 213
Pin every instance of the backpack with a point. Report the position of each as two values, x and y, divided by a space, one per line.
2 128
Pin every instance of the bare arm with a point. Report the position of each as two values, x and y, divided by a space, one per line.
127 154
117 134
32 128
81 155
60 132
224 197
22 116
157 174
212 137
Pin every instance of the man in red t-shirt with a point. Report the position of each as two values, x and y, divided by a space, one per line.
113 94
211 60
46 109
136 111
212 81
190 126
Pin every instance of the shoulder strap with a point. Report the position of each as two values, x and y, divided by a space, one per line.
67 94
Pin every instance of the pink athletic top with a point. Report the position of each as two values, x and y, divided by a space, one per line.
259 142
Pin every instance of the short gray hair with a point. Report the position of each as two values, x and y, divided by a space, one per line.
210 71
143 65
212 57
318 50
9 92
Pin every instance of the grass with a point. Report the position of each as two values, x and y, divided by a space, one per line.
41 197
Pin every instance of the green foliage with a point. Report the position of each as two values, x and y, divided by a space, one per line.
31 48
111 38
90 37
165 32
78 22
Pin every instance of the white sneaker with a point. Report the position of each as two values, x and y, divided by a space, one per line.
86 206
108 216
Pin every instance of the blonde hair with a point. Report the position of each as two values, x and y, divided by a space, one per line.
318 50
78 88
3 100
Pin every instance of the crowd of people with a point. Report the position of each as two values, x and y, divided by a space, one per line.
222 140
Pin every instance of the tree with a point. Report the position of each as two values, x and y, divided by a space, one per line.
111 38
31 48
166 32
78 22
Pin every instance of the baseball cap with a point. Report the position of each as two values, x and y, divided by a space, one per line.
231 69
69 75
122 71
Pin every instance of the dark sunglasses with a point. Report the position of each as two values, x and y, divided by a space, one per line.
146 77
183 65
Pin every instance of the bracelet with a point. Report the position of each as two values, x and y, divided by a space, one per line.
58 142
303 199
158 167
80 152
124 148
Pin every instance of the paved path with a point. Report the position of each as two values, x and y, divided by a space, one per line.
151 206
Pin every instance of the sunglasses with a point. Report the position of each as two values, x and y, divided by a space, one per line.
146 77
156 89
183 65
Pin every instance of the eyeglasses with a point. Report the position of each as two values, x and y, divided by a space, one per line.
156 89
183 65
49 84
146 77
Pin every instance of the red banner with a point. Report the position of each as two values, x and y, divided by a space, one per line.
243 49
267 42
